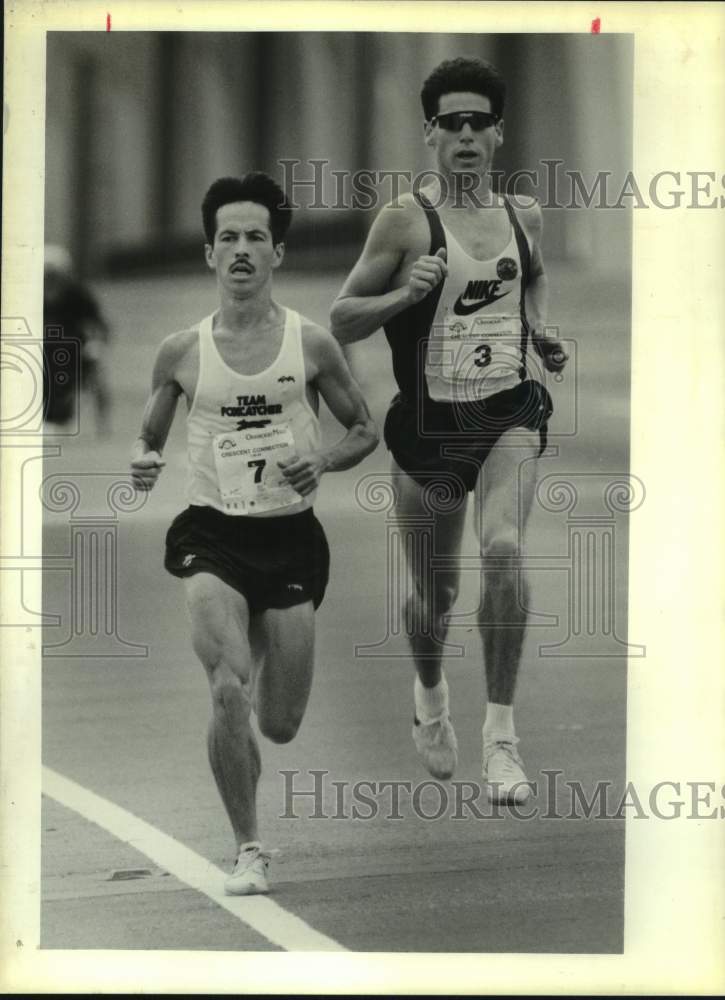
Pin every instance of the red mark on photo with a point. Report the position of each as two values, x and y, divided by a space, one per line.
108 22
596 25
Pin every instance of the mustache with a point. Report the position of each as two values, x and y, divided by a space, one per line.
241 265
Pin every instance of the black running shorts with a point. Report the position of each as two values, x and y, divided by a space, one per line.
449 442
274 562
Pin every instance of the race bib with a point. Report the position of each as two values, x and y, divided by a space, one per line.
250 481
474 349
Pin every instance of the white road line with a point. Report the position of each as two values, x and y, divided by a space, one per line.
259 912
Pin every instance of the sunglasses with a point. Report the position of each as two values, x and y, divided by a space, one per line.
455 120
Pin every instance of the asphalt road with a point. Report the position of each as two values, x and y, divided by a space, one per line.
131 728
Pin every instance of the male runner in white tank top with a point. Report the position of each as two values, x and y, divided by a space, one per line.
457 281
253 557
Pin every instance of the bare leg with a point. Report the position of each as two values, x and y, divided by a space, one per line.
433 594
285 675
504 494
220 620
432 597
503 503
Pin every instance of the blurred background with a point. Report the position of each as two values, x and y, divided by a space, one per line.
140 123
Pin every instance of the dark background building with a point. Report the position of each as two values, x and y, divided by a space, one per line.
139 124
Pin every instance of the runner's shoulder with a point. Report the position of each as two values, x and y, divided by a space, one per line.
314 336
312 333
401 222
318 344
175 347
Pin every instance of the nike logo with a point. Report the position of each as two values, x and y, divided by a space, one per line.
479 294
460 309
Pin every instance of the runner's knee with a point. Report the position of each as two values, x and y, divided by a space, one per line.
445 593
438 601
279 728
231 696
502 544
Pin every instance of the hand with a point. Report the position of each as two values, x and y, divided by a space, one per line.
303 472
146 469
426 274
552 353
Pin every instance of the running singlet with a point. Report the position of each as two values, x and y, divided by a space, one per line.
240 426
467 339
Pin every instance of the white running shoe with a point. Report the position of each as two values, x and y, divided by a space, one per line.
437 745
503 769
249 877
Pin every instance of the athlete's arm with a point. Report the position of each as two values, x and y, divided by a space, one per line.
146 460
365 302
544 340
337 387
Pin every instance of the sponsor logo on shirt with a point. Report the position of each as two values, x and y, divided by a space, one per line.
243 424
478 294
507 268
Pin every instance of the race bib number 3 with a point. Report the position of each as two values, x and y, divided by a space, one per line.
250 480
476 349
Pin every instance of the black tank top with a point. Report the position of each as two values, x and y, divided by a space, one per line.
408 331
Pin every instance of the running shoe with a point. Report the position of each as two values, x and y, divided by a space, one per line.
437 746
503 769
249 877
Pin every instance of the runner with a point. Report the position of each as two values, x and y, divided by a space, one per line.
252 554
454 273
76 340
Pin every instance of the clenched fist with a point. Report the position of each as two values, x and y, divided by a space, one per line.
426 274
146 469
552 353
303 472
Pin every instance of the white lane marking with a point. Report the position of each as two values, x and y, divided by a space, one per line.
259 912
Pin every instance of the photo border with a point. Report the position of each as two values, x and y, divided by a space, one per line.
676 721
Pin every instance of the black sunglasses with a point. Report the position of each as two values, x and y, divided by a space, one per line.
455 120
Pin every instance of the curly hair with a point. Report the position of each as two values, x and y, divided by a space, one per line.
463 75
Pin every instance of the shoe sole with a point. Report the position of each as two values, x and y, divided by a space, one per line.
251 890
440 774
515 797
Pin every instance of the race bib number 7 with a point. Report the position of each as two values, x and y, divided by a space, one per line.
250 480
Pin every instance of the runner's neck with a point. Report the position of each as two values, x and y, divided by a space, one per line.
246 316
464 193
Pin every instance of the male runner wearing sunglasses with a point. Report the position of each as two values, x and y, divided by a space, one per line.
454 274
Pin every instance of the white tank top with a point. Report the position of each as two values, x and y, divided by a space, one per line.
474 348
240 426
